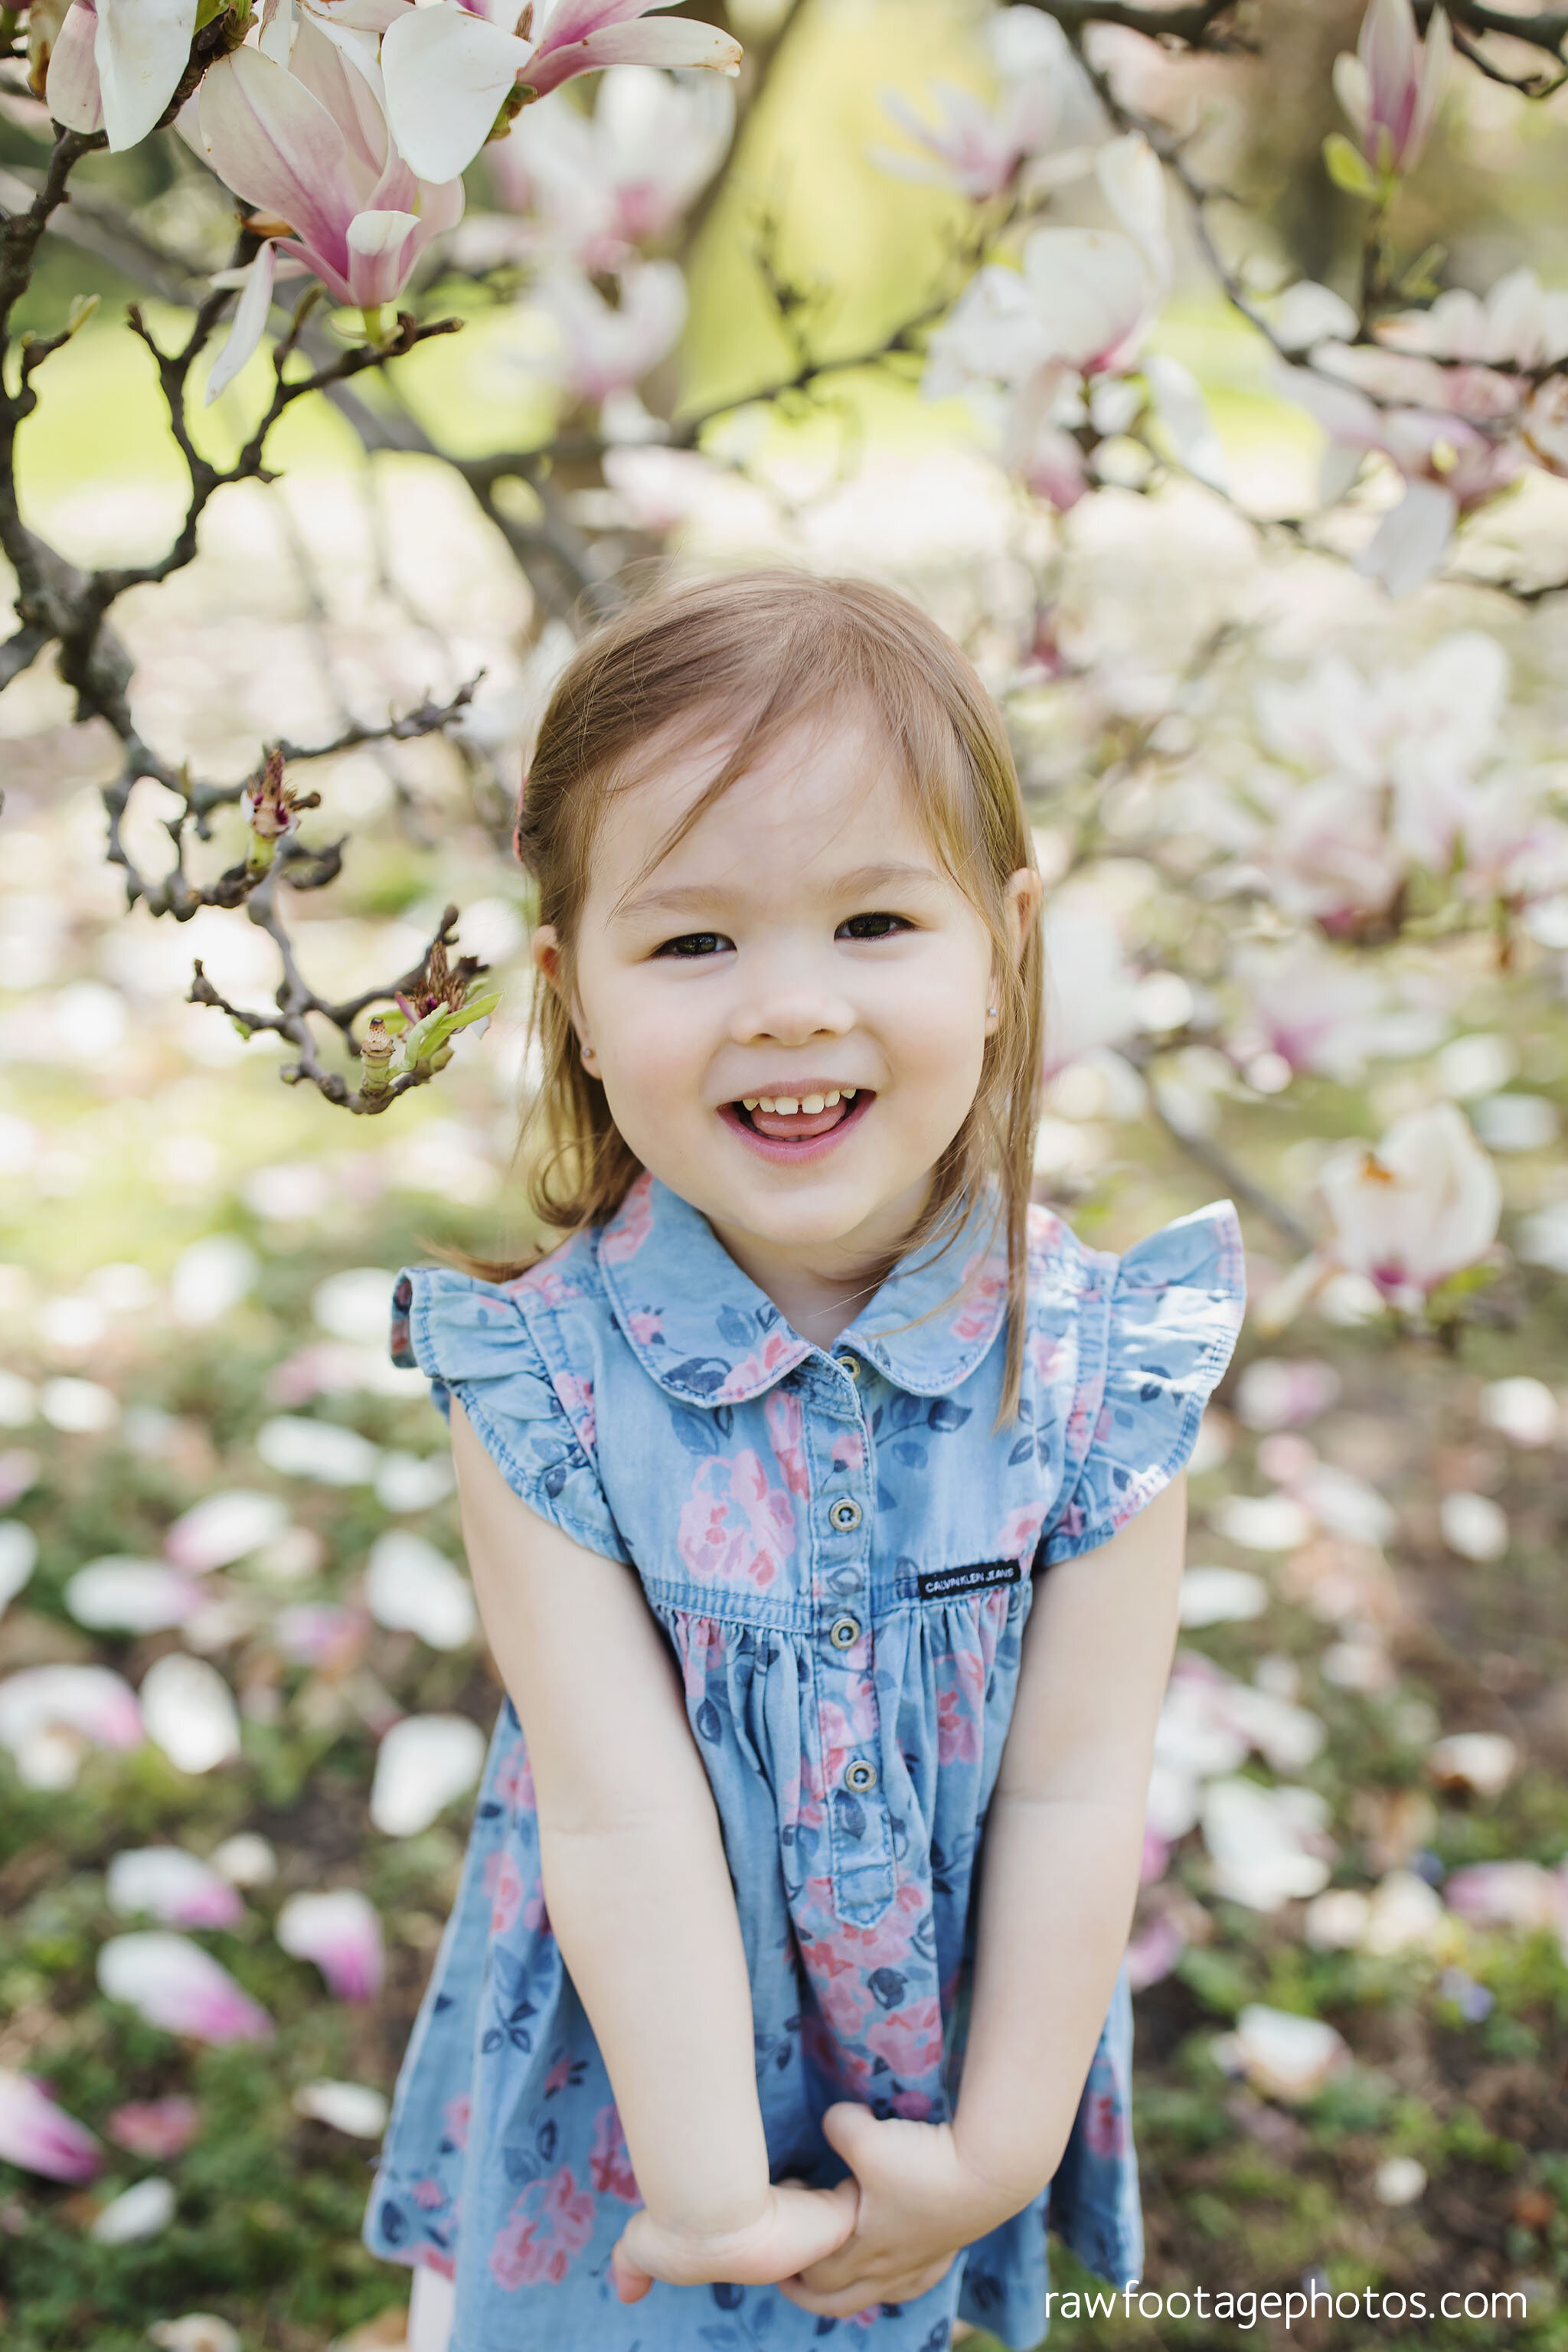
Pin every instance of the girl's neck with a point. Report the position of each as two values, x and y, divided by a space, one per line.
820 1287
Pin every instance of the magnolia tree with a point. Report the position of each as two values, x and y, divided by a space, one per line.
378 156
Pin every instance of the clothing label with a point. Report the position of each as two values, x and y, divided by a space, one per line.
942 1583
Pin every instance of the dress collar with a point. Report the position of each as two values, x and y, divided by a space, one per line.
708 1335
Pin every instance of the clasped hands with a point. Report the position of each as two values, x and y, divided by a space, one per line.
886 2234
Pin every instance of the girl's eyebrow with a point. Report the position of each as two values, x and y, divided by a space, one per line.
691 897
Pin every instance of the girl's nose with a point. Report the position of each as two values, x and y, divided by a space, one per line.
790 1011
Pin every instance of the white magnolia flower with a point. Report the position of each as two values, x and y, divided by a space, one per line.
1265 1844
1422 1206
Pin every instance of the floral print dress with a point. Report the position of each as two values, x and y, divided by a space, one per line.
840 1551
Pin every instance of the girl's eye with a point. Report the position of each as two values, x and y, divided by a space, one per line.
693 944
855 920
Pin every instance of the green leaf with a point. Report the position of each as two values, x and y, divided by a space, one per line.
243 1027
474 1009
1347 167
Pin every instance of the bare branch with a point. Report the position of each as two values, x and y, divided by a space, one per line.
1199 27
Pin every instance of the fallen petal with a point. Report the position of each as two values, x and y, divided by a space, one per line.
224 1528
40 2137
354 2108
172 1885
422 1766
131 1596
138 2213
158 2128
189 1712
411 1586
340 1932
172 1983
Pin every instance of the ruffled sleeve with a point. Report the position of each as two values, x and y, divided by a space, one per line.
1168 1325
474 1340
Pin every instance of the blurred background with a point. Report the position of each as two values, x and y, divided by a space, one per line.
242 1695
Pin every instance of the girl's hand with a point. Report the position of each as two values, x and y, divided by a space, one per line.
920 2205
796 2229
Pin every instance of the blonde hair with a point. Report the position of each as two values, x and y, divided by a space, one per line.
748 657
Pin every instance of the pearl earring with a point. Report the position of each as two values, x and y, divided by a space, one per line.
587 1050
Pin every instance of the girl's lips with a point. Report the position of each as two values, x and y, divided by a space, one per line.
795 1149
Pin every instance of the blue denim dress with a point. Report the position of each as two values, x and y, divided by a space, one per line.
840 1551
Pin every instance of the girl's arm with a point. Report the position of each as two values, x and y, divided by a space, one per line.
638 1891
1063 1844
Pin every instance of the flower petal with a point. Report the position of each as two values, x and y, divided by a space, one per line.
1407 546
249 322
381 254
680 43
340 1932
175 1984
274 144
71 90
40 2137
446 73
142 49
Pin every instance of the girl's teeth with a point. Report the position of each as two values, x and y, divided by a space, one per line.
788 1104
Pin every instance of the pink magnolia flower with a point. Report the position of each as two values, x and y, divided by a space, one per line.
1423 1206
340 1932
450 67
37 2134
598 185
1045 350
1308 1005
1392 88
158 2128
173 1983
1450 467
604 349
1517 322
309 144
977 149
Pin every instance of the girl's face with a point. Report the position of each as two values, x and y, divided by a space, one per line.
802 939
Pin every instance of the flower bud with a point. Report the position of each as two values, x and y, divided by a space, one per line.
377 1049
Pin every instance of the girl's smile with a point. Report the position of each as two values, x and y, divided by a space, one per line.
803 1133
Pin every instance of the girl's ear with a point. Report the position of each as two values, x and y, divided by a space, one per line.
544 947
1023 896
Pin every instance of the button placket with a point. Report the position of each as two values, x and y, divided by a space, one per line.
849 1717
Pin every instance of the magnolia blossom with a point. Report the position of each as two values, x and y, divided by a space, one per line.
603 349
1423 1206
1517 323
452 66
37 2136
340 1932
309 144
978 149
1392 88
175 1984
598 185
1045 350
1449 466
1308 1006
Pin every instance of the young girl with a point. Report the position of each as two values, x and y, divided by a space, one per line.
823 1503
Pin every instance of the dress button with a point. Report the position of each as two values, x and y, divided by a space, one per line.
860 1776
845 1515
844 1633
850 1364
